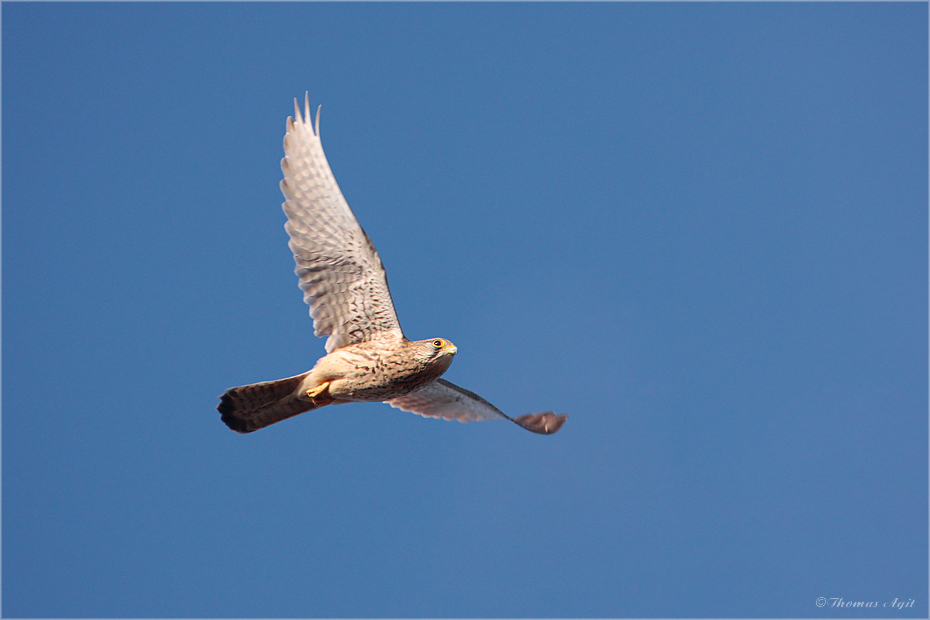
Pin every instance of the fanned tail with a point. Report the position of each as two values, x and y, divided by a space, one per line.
248 408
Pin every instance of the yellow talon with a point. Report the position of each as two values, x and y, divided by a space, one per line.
317 395
313 393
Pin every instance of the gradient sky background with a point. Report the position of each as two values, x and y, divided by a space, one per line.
698 229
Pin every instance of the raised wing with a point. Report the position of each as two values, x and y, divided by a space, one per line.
441 399
340 272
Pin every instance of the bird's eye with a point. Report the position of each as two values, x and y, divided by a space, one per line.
437 343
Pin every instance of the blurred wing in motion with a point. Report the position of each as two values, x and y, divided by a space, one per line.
441 399
340 272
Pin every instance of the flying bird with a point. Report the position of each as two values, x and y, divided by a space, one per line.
368 358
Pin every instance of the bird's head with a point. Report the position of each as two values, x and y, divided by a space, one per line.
437 351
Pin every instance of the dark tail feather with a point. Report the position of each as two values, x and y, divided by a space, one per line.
248 408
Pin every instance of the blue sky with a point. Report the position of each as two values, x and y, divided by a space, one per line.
698 229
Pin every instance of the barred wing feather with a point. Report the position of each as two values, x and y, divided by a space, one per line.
442 399
340 272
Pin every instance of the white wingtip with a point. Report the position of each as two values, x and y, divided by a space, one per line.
305 117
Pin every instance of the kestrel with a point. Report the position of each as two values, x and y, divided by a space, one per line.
368 358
